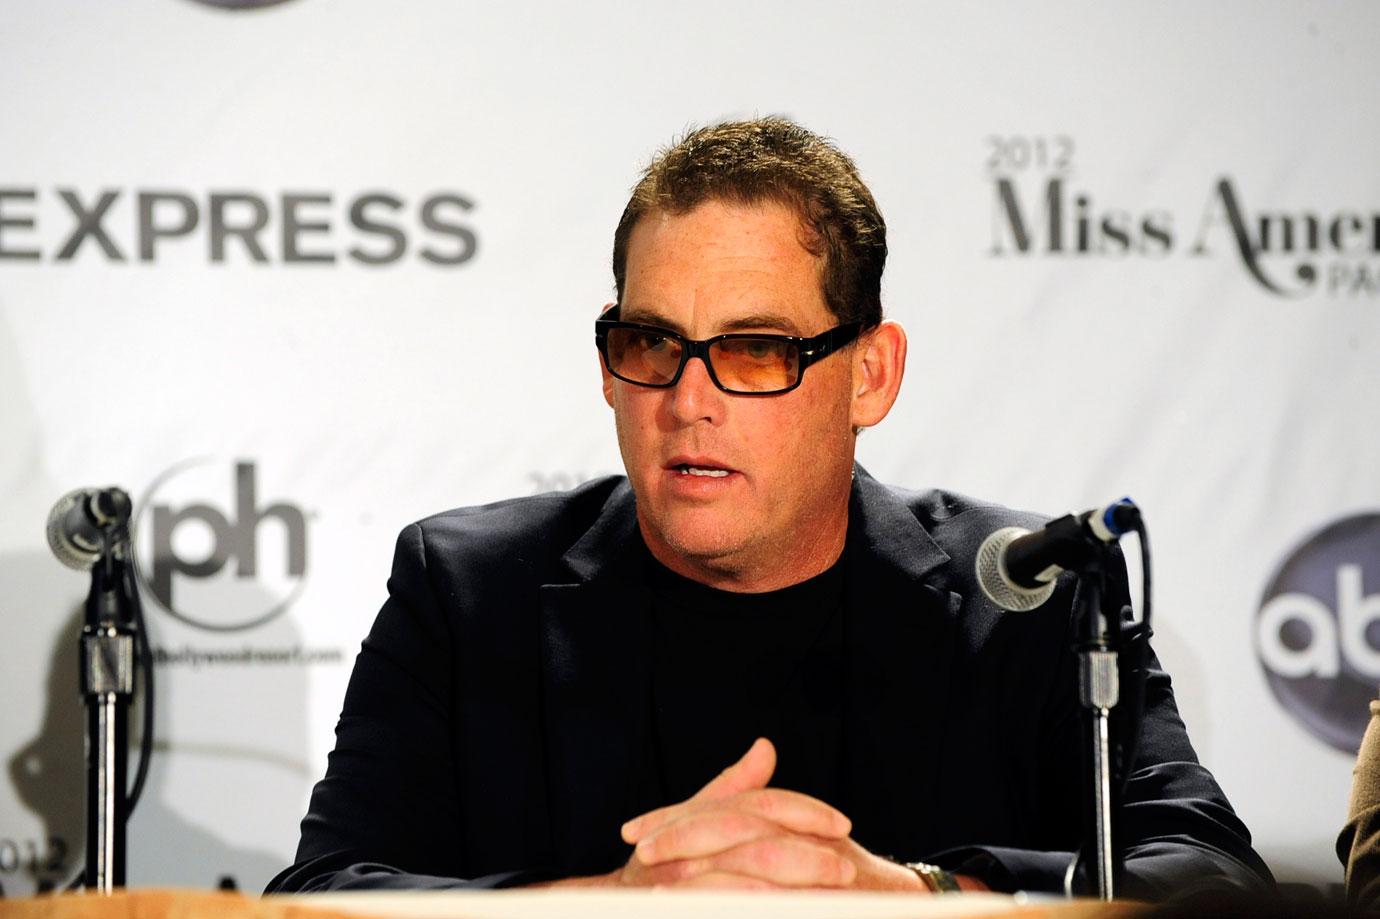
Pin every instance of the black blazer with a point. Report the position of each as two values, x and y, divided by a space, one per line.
498 715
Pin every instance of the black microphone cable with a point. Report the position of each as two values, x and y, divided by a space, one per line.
1136 638
141 772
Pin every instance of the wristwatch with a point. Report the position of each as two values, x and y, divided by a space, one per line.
934 877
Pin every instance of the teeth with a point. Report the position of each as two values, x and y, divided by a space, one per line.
696 470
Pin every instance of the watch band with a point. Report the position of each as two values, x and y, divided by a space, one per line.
934 877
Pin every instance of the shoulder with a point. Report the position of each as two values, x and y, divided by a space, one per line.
942 507
957 522
529 529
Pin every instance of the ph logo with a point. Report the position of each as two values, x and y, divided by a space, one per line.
226 565
1318 630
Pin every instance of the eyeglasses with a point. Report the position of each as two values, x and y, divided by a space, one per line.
748 364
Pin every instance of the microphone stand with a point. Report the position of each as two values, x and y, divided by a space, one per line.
1099 692
1016 570
107 686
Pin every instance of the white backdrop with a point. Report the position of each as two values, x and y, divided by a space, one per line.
1136 249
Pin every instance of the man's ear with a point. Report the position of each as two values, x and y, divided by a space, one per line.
879 363
608 383
608 377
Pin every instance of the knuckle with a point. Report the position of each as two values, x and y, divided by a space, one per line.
840 869
687 869
653 847
738 825
761 801
771 804
767 803
768 854
673 836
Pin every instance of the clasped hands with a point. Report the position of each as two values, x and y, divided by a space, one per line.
738 833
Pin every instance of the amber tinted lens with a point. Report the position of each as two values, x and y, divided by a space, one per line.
642 356
755 364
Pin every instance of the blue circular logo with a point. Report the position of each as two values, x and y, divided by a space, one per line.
1318 630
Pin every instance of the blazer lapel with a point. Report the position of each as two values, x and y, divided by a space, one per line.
596 690
900 631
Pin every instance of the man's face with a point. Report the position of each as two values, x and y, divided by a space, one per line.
743 492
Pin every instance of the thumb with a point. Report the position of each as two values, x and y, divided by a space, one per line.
754 770
751 772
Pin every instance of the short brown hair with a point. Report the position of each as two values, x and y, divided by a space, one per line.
774 159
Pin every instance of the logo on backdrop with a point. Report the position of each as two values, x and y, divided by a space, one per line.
213 553
1318 630
124 225
1040 209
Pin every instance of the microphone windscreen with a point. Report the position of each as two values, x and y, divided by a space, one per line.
997 584
72 537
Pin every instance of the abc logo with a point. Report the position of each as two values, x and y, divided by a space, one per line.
223 566
1318 630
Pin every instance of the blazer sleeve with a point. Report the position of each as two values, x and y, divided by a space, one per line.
1358 844
387 814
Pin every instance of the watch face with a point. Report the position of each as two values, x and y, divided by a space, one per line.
936 879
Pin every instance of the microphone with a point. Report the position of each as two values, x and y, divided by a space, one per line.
1016 568
77 524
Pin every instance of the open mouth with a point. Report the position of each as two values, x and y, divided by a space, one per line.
707 471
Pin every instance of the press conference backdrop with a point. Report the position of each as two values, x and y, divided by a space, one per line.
298 273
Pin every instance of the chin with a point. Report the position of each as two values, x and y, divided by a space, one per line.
706 542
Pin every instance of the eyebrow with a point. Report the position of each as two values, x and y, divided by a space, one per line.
756 321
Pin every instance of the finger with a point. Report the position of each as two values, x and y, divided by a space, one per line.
795 811
753 770
787 861
751 815
722 880
695 835
637 827
686 873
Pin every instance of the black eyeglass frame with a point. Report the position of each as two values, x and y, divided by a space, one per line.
811 350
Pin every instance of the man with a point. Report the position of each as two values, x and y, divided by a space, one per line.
556 684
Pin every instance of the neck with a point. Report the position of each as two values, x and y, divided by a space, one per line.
761 568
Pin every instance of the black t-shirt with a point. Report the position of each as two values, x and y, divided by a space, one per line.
728 668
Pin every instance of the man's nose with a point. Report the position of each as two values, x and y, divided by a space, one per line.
695 397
